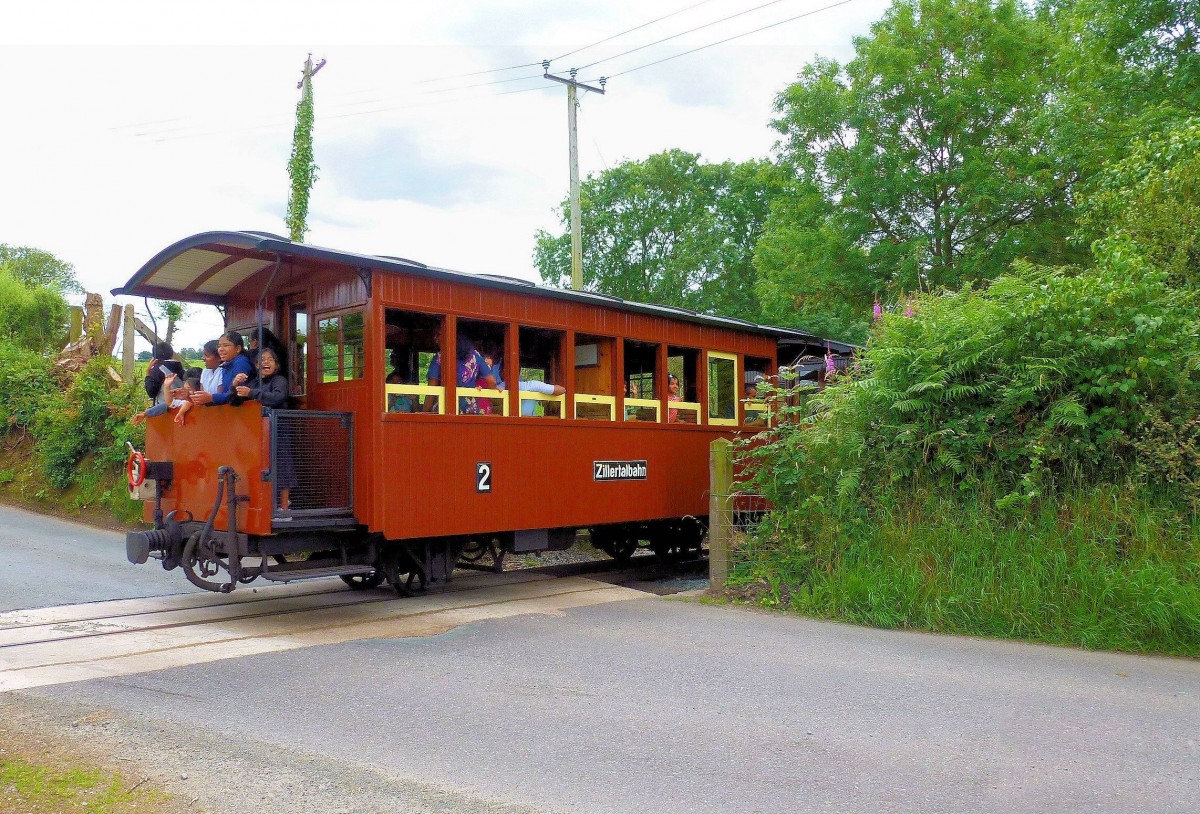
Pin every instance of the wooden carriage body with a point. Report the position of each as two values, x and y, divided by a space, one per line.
595 455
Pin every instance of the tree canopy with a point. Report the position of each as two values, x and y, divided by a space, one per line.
39 268
32 316
929 149
671 230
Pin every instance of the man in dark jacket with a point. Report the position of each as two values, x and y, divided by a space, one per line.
160 366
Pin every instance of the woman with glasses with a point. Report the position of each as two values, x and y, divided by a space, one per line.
235 369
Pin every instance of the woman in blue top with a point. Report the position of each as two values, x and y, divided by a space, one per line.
231 349
472 372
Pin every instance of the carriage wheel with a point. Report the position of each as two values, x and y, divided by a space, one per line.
405 572
475 550
363 582
667 552
410 584
615 544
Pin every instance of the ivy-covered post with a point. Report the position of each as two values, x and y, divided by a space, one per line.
302 169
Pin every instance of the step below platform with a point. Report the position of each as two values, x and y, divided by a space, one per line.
281 574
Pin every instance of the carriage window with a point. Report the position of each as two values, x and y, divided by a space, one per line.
682 369
480 353
411 342
722 388
754 408
353 346
641 381
595 357
342 347
297 345
540 384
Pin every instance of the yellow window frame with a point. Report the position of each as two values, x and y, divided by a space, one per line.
729 357
594 398
415 390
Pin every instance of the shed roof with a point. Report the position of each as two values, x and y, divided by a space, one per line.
206 267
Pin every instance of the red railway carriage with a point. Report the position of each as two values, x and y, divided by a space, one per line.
393 470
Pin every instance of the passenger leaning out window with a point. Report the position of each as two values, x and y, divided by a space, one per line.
473 371
271 389
232 350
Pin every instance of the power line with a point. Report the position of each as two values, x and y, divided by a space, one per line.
629 31
680 34
176 135
734 37
385 98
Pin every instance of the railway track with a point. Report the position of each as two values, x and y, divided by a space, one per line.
122 637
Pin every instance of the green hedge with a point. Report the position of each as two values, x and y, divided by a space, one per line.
78 429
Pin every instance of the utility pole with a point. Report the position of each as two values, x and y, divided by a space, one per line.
576 228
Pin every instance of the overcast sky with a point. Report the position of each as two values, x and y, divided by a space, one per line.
130 125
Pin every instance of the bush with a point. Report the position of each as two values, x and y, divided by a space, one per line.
31 316
26 386
91 416
1021 461
1049 377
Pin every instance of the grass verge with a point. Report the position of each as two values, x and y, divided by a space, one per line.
37 779
1109 568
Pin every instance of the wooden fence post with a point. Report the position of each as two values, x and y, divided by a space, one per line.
76 323
127 337
720 510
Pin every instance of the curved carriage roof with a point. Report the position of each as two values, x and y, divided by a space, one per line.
206 267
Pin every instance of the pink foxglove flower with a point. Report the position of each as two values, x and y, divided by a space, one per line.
877 311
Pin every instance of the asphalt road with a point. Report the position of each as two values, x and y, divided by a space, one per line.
46 562
647 705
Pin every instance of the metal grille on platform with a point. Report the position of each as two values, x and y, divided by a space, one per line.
312 458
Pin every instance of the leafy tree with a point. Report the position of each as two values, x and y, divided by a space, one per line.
39 268
1149 204
669 230
810 275
1130 68
32 316
930 150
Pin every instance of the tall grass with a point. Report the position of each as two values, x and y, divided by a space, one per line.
1105 567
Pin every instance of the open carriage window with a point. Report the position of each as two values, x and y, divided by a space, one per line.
541 381
411 341
641 381
480 364
754 406
682 391
595 358
342 347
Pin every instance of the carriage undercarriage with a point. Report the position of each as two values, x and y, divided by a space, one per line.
220 559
